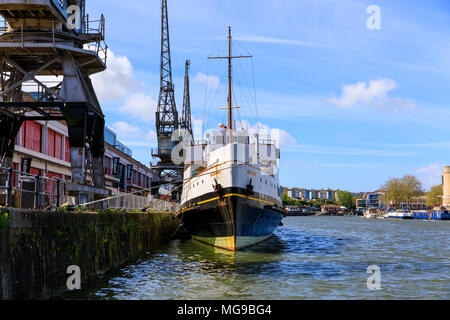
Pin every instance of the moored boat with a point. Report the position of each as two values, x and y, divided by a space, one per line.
371 214
231 196
400 214
425 215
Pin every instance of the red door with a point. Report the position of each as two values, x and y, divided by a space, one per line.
51 143
58 146
67 151
32 137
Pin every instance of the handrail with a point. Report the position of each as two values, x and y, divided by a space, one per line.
41 188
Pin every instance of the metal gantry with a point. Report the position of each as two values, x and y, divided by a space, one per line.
167 114
167 119
39 41
186 119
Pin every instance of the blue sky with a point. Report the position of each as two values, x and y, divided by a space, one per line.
354 106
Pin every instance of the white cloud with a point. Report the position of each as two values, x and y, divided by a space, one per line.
363 92
374 93
282 138
117 80
140 106
212 81
125 130
430 175
118 83
134 136
262 39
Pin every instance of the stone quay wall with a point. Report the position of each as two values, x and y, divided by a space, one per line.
37 248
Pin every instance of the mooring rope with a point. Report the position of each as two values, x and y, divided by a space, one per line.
200 174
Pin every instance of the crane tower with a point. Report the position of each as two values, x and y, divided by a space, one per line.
53 38
167 121
186 121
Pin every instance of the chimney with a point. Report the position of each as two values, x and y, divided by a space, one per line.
446 181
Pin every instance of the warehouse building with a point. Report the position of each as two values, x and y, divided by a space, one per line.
42 148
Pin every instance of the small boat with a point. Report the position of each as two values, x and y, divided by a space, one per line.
371 214
400 214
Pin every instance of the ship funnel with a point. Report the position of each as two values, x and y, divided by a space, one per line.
256 136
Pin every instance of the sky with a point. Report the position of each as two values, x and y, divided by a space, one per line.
357 97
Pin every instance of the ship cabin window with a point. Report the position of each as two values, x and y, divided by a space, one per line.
243 139
220 139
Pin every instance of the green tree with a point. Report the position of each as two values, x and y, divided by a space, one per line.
403 190
287 201
345 199
412 188
434 196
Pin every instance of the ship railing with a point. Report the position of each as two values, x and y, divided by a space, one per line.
199 143
267 142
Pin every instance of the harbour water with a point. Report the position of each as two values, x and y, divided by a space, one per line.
307 258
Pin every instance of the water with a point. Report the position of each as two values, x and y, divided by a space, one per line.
307 258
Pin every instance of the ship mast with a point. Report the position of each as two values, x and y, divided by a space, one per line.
230 57
230 108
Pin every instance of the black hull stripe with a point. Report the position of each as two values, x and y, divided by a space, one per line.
231 192
231 217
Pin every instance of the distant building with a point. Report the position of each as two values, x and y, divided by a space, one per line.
376 200
330 208
446 188
310 194
361 204
325 194
370 200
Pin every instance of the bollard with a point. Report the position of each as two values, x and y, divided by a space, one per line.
58 193
9 197
37 191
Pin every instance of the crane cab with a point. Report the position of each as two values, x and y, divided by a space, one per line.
29 14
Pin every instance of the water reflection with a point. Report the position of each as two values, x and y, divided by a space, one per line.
286 253
307 258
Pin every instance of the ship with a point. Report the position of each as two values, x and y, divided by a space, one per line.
231 196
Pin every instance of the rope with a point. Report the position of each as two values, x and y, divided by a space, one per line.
200 174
